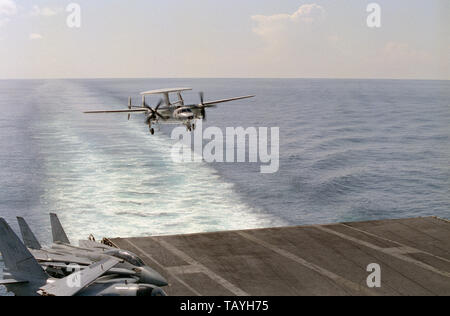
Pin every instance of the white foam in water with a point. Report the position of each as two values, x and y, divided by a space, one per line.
122 182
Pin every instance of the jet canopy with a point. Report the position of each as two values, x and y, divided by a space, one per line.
127 256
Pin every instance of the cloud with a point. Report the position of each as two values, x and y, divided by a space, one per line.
399 59
8 8
267 25
3 21
37 11
35 36
400 52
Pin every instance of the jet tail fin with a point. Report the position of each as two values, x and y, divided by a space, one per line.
29 239
59 235
18 259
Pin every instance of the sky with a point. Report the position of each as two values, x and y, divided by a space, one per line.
233 38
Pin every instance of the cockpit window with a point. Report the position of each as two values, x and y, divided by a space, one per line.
128 257
185 111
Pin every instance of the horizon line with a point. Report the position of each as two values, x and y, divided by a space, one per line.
195 78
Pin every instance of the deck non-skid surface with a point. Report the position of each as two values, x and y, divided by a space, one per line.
414 256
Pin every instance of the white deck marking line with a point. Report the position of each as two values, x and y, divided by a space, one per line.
322 271
411 249
188 269
162 267
386 251
402 250
226 284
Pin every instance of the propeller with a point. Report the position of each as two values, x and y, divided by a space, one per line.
155 112
129 107
203 112
202 105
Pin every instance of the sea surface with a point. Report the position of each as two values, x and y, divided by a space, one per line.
350 150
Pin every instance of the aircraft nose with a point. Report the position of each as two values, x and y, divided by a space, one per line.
150 276
149 290
187 116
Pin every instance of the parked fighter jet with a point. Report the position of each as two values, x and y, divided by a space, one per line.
25 277
58 260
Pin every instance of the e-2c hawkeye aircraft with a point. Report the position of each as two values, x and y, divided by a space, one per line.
167 112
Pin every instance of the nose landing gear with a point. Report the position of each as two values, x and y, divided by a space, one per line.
151 129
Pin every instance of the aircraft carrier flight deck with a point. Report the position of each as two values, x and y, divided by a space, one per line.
413 256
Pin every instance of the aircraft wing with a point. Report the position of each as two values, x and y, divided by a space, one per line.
77 281
117 111
57 265
227 100
46 256
93 245
168 122
11 281
119 271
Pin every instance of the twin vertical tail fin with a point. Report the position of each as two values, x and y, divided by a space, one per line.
59 235
29 239
18 259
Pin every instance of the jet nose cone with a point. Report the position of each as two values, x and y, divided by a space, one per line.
150 276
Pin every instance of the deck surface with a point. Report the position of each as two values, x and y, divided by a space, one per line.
414 256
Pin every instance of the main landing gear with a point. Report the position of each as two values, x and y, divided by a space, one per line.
190 127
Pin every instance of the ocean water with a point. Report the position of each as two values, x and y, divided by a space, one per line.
350 150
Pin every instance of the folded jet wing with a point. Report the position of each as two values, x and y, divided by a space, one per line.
89 244
117 271
77 281
51 256
12 281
